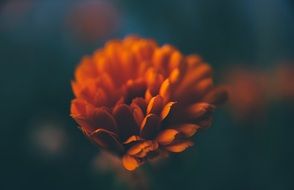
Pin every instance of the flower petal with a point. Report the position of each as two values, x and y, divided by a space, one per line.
133 138
106 139
154 80
90 118
92 91
199 109
179 147
203 86
134 89
141 149
76 88
141 103
126 122
161 56
205 122
148 95
175 60
191 78
150 126
193 60
174 75
144 49
130 163
100 118
138 114
78 107
155 105
187 129
100 97
167 109
196 92
217 96
107 82
167 136
85 70
80 113
164 90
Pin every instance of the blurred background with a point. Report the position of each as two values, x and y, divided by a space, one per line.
249 43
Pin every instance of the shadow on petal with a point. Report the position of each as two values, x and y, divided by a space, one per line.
150 126
107 140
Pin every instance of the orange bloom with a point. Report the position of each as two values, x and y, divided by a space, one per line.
140 101
248 92
282 85
90 20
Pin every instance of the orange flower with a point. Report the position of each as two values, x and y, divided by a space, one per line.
90 20
248 92
140 101
282 85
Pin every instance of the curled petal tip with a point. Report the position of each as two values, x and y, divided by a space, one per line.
167 109
155 105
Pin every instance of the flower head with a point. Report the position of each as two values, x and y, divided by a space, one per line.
140 100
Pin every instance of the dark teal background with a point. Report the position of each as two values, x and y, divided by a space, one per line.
38 55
